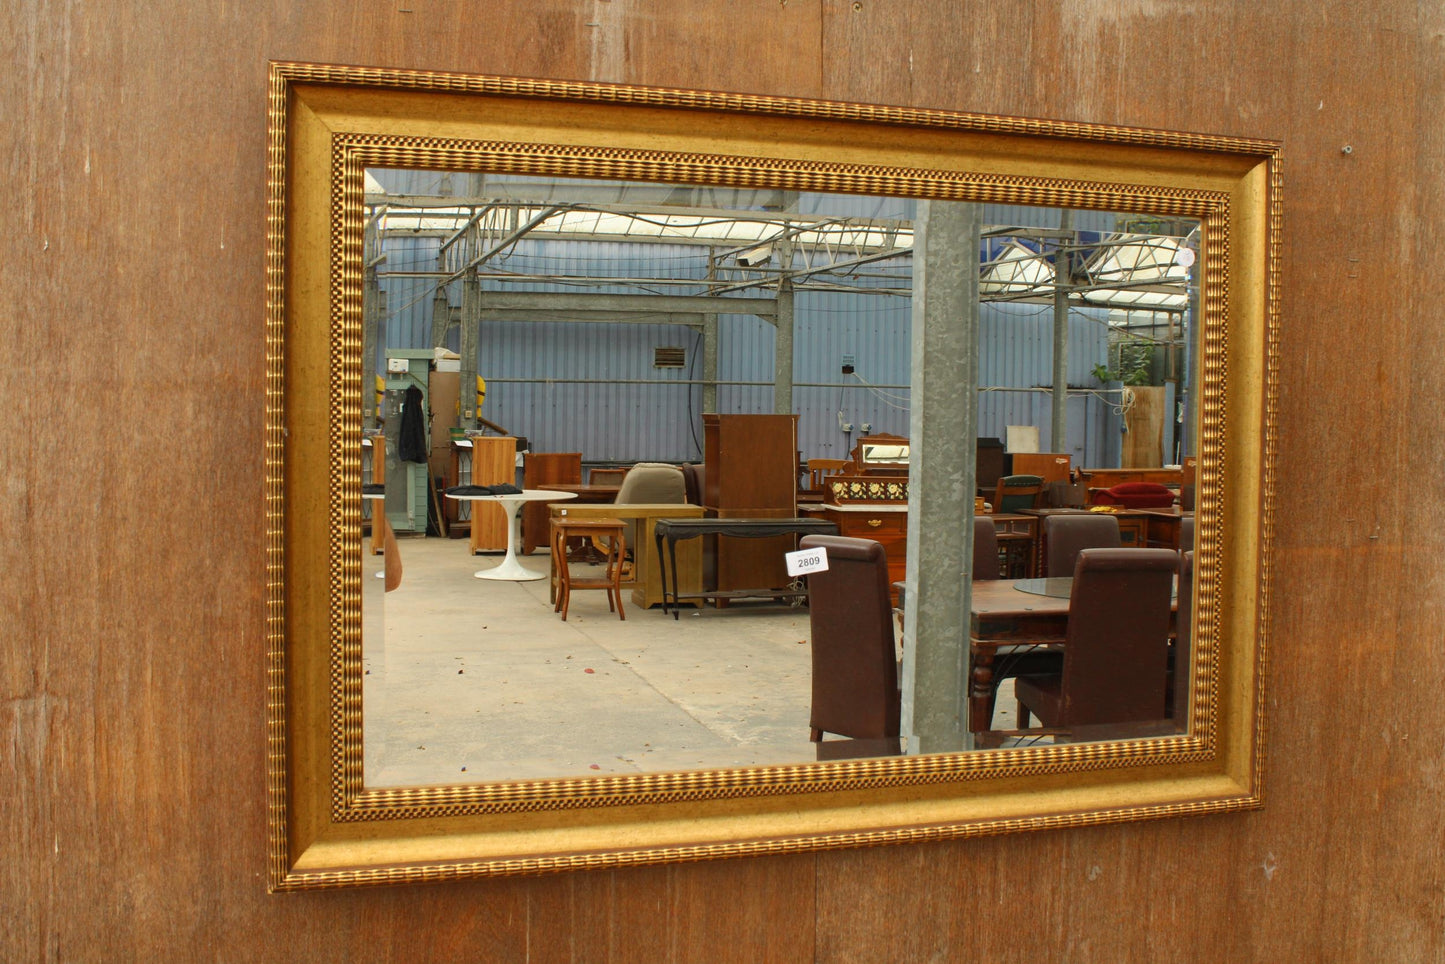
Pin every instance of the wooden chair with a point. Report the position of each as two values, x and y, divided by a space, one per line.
855 665
820 469
606 476
1015 492
1066 535
694 481
1116 648
605 530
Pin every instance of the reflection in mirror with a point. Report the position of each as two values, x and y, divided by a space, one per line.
551 334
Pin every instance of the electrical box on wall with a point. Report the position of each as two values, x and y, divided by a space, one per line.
398 366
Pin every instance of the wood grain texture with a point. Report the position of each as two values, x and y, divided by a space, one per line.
131 691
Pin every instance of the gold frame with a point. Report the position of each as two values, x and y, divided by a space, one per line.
326 123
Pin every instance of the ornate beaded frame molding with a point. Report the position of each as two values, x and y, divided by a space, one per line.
319 807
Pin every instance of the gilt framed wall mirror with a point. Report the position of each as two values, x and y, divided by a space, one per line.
493 302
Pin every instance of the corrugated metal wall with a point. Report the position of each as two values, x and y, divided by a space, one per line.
1016 350
578 386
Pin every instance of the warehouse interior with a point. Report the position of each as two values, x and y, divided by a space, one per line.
604 322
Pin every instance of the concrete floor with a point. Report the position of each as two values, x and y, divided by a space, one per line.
474 679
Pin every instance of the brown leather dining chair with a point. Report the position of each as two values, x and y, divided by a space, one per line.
1116 647
1177 699
855 666
985 548
1067 535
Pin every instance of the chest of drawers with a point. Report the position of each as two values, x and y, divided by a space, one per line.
886 524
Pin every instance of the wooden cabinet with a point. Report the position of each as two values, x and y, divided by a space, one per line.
1049 466
539 470
1163 527
885 524
494 460
750 472
1133 531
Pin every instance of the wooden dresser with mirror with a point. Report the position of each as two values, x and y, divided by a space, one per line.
869 499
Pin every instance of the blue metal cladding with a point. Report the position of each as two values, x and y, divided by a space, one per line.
409 300
1016 374
592 387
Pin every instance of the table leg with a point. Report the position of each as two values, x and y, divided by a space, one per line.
510 569
980 697
662 570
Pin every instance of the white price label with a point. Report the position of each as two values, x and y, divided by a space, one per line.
807 561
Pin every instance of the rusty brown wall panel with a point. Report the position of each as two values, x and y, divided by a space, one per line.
131 686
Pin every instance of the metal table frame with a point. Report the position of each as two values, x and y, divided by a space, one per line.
670 531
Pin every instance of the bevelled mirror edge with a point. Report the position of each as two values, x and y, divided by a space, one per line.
325 834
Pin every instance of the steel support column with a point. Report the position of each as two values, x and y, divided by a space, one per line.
942 427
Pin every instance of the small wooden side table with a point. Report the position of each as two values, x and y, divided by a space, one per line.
610 530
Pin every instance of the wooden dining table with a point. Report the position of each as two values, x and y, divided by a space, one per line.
1004 619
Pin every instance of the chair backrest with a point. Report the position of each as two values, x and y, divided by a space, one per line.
1183 641
604 476
693 480
652 482
1116 650
1186 532
855 668
985 548
1066 535
820 469
1015 492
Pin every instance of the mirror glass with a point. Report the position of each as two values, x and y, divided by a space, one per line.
885 454
546 333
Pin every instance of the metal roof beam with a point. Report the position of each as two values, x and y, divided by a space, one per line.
498 301
690 319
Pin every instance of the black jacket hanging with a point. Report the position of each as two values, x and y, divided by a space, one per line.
411 443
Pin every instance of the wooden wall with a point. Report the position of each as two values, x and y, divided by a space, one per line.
132 818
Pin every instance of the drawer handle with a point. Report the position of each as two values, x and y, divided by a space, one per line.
875 523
